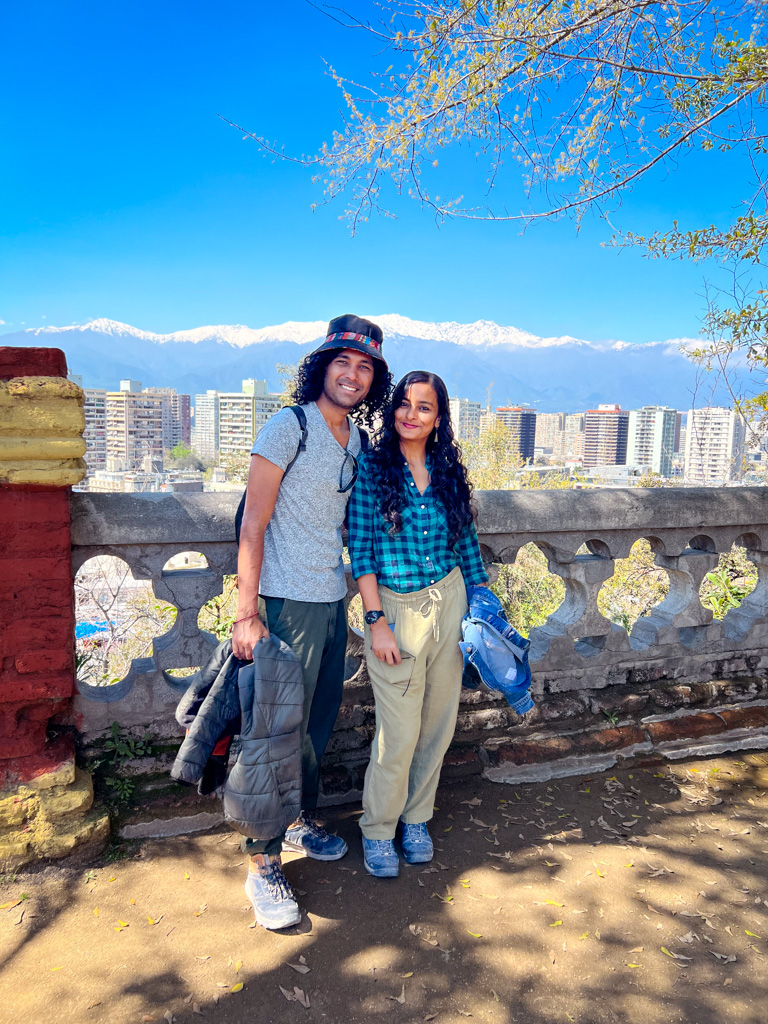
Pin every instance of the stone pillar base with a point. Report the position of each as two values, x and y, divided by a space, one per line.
46 809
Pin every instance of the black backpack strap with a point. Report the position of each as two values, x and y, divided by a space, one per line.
301 416
364 439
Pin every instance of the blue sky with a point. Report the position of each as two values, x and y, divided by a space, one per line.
124 196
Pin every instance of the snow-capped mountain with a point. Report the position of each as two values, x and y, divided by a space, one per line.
553 374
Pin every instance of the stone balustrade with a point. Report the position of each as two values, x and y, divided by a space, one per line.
680 683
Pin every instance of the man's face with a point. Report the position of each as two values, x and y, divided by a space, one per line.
348 378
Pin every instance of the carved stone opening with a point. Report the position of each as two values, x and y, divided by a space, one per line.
118 620
529 592
637 587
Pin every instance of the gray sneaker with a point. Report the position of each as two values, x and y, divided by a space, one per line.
273 902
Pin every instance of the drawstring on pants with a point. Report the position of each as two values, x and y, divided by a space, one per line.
429 607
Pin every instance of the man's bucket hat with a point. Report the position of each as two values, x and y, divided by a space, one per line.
350 331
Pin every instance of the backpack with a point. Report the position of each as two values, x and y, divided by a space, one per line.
301 416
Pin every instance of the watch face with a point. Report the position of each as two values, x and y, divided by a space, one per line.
371 617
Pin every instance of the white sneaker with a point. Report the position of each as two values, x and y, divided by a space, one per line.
273 902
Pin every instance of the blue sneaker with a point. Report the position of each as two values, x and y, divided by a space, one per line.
380 858
312 840
273 902
416 843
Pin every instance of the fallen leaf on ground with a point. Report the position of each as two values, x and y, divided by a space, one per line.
10 905
300 968
238 965
169 1017
555 924
408 975
400 998
475 935
196 1009
420 933
95 911
57 969
637 949
237 988
746 932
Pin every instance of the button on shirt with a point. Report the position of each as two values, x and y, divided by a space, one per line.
420 554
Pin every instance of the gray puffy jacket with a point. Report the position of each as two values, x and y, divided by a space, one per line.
263 701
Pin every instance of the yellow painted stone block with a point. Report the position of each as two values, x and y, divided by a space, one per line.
64 775
37 448
16 809
41 427
63 839
14 853
62 802
65 473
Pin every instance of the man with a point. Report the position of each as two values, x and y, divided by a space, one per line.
290 555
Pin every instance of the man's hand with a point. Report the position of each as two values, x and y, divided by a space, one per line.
246 635
384 644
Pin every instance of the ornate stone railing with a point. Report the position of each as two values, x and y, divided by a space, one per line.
679 683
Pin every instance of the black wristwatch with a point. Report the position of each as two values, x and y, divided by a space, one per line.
371 617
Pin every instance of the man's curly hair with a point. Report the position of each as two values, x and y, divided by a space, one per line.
310 377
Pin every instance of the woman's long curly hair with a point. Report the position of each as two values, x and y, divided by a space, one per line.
310 378
450 483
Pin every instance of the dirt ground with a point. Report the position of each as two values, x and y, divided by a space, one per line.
635 897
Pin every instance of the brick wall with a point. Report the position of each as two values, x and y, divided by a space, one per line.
36 604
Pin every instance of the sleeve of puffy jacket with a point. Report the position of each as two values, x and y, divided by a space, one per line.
215 716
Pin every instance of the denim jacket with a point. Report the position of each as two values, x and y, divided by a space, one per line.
494 652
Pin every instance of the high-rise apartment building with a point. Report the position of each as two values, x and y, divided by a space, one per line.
176 417
134 421
465 418
205 433
521 424
651 438
242 414
549 428
95 433
605 436
571 443
714 446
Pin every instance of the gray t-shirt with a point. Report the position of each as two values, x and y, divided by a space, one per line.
302 543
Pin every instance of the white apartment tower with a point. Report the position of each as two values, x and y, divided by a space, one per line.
651 438
465 418
95 433
242 414
714 446
205 432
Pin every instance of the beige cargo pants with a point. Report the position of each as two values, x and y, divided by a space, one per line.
416 704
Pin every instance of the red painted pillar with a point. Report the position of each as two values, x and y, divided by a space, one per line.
39 415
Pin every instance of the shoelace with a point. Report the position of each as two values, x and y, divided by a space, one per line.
316 830
382 846
278 883
416 833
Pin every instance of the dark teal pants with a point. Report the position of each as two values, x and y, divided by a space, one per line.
317 634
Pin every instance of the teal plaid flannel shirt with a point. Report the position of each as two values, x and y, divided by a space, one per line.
419 555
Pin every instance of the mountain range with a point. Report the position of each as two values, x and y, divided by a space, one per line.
561 374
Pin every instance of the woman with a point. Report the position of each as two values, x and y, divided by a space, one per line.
414 550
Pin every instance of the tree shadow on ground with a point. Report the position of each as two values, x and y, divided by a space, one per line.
615 899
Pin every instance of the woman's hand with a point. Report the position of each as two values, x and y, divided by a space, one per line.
245 635
384 644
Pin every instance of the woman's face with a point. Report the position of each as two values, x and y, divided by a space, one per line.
416 416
